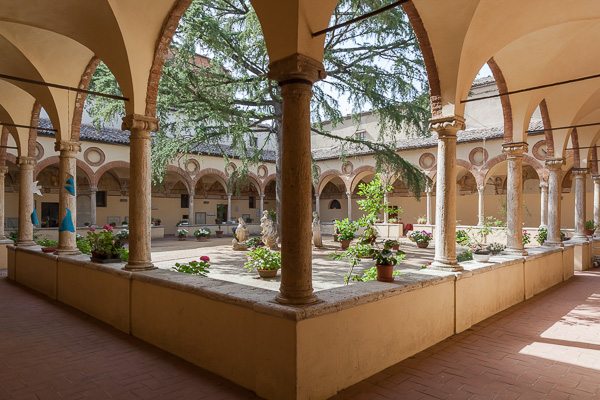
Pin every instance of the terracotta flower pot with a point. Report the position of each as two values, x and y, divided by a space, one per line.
219 233
201 238
589 232
397 247
181 237
385 273
344 244
335 237
267 273
422 245
49 249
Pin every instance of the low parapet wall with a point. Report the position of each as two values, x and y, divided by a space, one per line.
283 352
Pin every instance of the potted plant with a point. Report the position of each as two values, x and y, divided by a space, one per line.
336 231
542 236
249 220
194 267
182 234
526 239
392 221
495 248
201 234
421 238
113 224
422 220
590 227
462 237
266 262
346 229
156 221
219 231
48 246
104 246
123 235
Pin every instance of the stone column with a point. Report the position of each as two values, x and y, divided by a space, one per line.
229 207
317 204
93 191
481 215
262 205
3 171
514 198
385 214
430 205
596 179
579 175
349 196
296 75
543 205
26 166
67 199
140 193
554 167
191 217
445 216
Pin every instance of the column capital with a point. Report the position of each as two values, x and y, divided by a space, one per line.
543 185
580 172
515 150
3 169
93 189
229 194
316 195
192 193
596 178
296 68
137 122
348 194
70 146
480 188
555 163
447 126
26 161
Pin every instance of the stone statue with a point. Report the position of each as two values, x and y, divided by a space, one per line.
316 230
242 231
238 246
269 235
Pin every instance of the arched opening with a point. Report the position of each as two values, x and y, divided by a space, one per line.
334 189
112 197
210 201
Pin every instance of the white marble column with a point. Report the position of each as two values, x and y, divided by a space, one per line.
67 201
3 172
543 205
481 216
445 216
579 176
596 179
26 167
140 191
262 205
296 75
229 207
317 204
385 211
554 167
93 191
349 196
430 205
514 198
191 217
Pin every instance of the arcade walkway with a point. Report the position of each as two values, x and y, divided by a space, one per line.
547 347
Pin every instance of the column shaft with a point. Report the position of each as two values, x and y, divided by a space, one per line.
481 215
385 214
3 171
93 191
554 201
317 204
191 216
514 198
445 217
596 179
579 175
67 197
543 205
349 196
430 206
228 207
26 166
140 191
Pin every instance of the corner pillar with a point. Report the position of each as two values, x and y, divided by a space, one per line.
262 205
140 191
296 75
67 198
317 204
26 166
580 174
554 167
543 205
445 216
514 198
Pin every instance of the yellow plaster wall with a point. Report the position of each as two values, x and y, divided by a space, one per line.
542 273
37 271
582 256
568 262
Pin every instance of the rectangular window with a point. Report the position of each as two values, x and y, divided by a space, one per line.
251 203
100 199
185 201
361 134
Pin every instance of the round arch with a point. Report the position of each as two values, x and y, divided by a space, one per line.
103 169
327 176
359 174
185 178
221 177
46 162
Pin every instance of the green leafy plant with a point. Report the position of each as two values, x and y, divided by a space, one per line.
47 243
462 237
420 236
392 220
103 242
273 215
421 220
182 232
495 248
466 255
204 232
368 275
83 245
542 235
194 267
254 242
263 258
124 254
122 234
590 225
526 239
346 229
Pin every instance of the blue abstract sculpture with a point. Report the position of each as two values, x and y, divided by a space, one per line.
34 218
67 223
70 186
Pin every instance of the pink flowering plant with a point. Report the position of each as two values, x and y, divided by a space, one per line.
194 267
420 236
103 243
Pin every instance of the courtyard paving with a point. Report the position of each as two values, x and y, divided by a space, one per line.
228 265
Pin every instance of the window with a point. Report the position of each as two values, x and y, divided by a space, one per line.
361 134
335 205
100 199
253 141
185 201
251 203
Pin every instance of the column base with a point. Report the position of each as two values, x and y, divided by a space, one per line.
515 252
446 266
25 243
139 266
67 252
296 301
553 244
581 238
4 240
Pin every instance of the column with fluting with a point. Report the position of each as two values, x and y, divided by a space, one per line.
445 216
514 197
26 167
554 167
296 75
3 172
579 176
67 197
543 205
480 219
596 180
140 191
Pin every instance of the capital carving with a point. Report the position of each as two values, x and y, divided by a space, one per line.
543 185
93 189
480 188
297 67
580 172
3 170
515 150
67 146
447 126
555 164
136 122
26 161
596 178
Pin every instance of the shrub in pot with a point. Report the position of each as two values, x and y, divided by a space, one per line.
266 262
346 231
182 234
590 227
202 234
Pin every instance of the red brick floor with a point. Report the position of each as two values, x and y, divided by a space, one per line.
546 348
